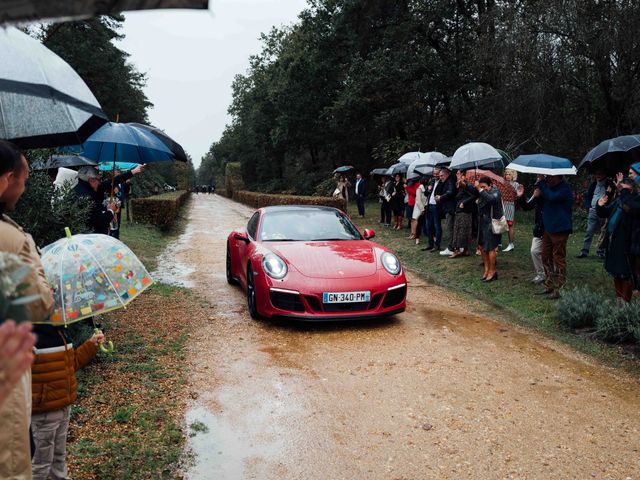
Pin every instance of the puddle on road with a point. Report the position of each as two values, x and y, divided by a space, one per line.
170 269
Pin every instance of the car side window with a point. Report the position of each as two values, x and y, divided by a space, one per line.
252 226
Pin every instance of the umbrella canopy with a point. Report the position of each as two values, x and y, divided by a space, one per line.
379 171
476 155
343 169
106 167
425 164
66 177
66 161
121 142
409 157
506 189
91 274
543 164
400 168
25 10
613 155
175 147
44 102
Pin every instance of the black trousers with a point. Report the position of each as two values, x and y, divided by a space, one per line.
360 203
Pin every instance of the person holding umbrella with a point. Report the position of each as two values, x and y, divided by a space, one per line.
489 208
91 187
15 416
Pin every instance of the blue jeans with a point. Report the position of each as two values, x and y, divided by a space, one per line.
433 226
594 224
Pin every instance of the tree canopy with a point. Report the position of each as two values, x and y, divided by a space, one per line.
361 82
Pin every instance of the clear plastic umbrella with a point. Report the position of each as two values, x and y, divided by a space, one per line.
476 155
91 274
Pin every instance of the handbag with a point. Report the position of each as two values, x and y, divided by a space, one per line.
499 226
337 193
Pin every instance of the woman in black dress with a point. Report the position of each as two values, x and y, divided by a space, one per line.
397 201
489 207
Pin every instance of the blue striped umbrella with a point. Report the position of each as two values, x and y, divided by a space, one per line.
543 164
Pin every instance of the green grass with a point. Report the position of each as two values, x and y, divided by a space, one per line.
147 241
512 298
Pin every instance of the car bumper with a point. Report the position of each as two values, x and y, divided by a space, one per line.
387 297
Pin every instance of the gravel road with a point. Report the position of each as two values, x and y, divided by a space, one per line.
440 391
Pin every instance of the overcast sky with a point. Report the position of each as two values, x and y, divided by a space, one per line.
190 58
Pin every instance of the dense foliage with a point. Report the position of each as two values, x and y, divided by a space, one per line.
360 82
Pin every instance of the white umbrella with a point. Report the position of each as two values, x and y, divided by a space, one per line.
409 157
476 155
425 164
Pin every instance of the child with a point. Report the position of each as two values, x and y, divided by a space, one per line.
53 391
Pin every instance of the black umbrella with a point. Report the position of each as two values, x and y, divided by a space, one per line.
379 171
67 161
175 147
613 155
43 101
14 11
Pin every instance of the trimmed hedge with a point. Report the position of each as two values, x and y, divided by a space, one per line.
159 210
259 200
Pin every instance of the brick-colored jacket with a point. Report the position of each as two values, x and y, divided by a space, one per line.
53 374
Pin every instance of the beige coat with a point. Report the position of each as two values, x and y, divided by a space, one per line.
15 413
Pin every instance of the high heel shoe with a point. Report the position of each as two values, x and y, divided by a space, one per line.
491 279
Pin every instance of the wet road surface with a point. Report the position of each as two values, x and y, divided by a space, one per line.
436 392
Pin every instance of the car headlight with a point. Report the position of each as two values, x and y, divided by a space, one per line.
274 266
391 263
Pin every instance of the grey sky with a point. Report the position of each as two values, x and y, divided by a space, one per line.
191 57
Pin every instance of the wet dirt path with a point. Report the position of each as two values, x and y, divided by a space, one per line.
436 392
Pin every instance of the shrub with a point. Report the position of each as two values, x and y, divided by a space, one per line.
159 210
44 212
259 200
581 307
233 178
325 188
620 323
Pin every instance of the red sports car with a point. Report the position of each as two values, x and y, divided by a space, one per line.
312 263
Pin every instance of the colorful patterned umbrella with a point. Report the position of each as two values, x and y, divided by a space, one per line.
91 274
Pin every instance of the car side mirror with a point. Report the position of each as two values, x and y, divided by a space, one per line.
368 233
243 237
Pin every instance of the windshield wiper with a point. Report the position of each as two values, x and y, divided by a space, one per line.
330 239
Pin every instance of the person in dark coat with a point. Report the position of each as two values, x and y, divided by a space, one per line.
447 205
489 207
558 225
536 204
617 261
397 201
465 204
359 190
91 187
433 223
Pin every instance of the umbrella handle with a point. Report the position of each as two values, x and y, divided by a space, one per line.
109 348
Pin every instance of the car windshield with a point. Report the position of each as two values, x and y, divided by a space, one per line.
306 225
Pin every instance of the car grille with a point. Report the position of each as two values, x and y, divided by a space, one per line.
346 307
286 301
394 297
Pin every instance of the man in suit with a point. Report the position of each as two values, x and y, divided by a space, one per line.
433 225
446 202
359 191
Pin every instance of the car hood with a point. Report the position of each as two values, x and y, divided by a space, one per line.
340 259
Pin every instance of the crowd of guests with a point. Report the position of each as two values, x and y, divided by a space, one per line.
38 362
456 215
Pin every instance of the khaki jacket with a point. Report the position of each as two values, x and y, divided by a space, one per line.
15 413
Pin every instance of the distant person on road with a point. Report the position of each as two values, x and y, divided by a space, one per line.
359 191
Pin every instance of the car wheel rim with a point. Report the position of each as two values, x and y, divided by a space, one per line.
228 264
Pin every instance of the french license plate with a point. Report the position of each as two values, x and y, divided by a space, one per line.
345 297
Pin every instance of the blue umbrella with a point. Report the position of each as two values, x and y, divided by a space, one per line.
543 164
105 167
121 142
614 155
